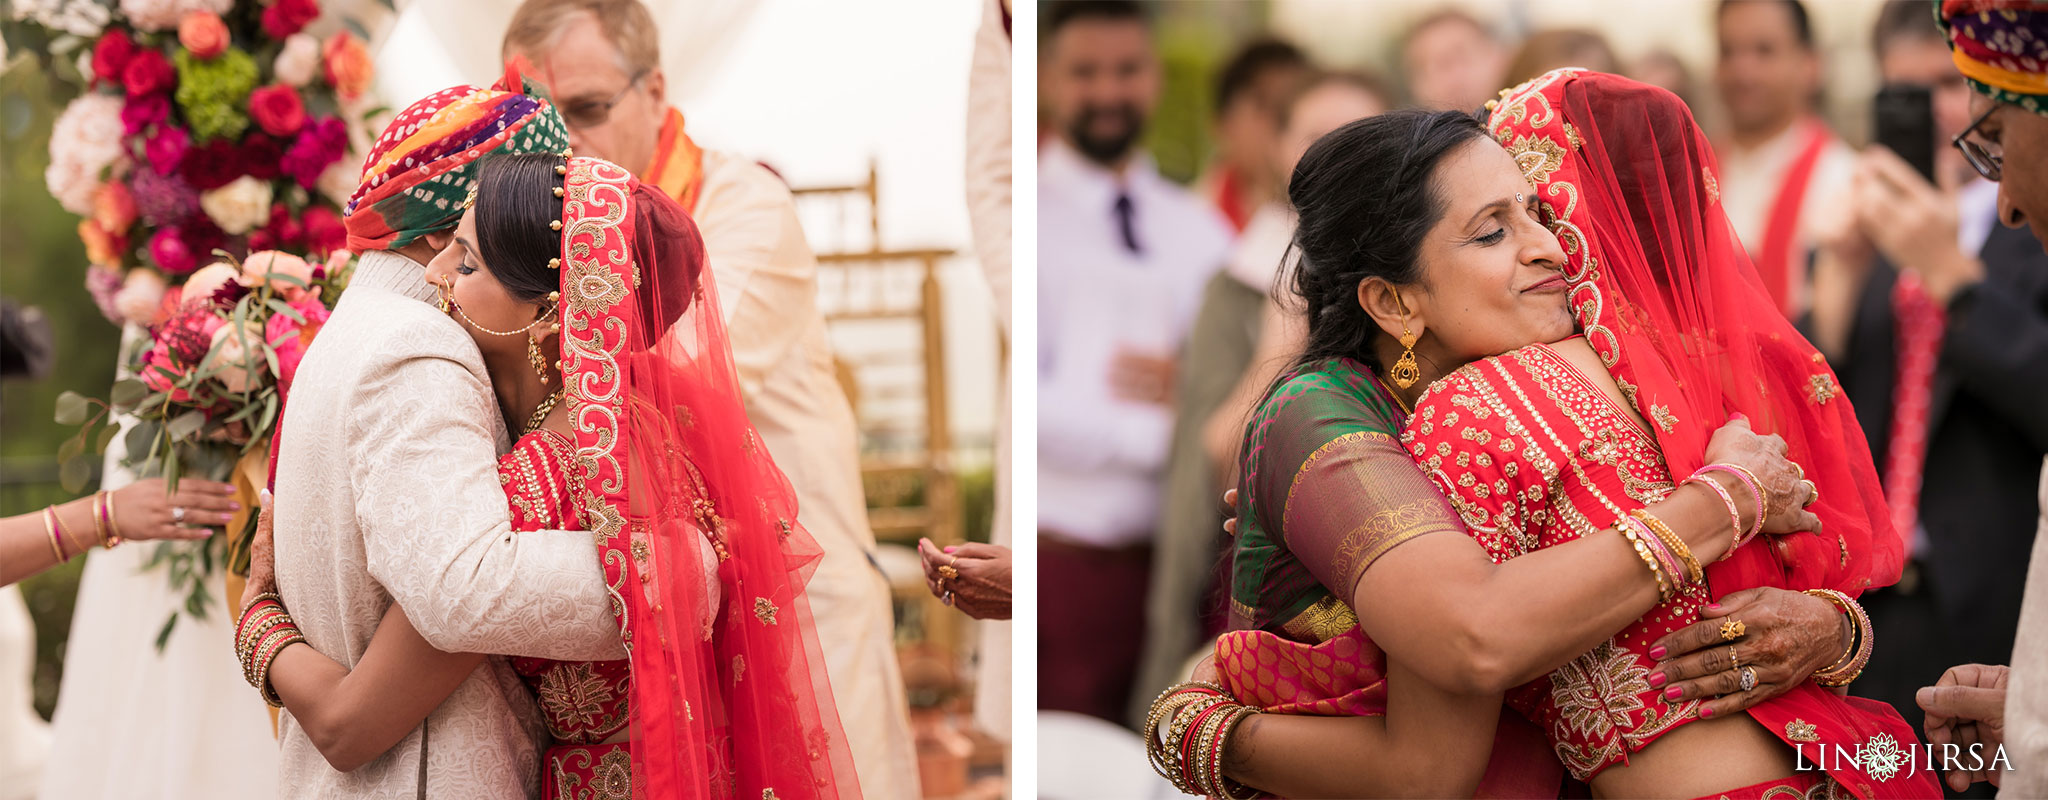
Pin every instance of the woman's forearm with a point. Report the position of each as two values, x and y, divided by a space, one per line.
1431 743
354 716
1478 627
25 539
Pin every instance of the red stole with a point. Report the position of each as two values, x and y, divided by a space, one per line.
1921 322
678 167
1773 255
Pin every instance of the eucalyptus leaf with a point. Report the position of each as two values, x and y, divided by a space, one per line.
106 438
127 391
72 408
280 307
164 635
74 473
187 424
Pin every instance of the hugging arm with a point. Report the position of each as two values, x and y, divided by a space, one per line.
438 536
1431 743
353 716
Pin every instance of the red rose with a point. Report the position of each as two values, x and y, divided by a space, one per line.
110 56
277 109
324 229
286 17
148 72
203 34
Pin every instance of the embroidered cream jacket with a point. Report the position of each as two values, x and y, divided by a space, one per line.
387 491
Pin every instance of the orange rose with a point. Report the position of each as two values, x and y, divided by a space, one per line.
204 34
347 64
101 246
113 207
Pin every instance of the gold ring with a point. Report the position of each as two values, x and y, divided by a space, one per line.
1796 468
1734 662
1812 493
1731 630
947 573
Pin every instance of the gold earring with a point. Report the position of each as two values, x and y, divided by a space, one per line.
533 356
1405 372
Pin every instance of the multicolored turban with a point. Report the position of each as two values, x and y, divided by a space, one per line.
2001 46
422 169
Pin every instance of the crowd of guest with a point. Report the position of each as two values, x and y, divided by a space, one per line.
1164 314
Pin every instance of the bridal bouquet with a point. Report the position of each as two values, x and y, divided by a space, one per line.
206 395
199 125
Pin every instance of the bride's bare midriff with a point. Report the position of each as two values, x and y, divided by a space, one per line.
1700 759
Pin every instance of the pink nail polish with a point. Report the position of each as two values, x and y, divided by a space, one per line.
1657 680
951 548
1657 652
1673 693
1714 606
1706 712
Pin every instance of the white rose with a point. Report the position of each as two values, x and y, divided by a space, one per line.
140 296
339 181
238 207
299 59
163 15
84 143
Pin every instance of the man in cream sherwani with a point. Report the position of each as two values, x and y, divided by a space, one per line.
601 63
387 485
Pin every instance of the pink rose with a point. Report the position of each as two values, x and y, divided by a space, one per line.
143 111
270 263
278 109
204 34
237 364
290 339
140 298
113 207
209 279
180 344
168 249
166 149
104 284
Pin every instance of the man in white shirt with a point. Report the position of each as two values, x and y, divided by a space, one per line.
1123 255
601 61
1780 165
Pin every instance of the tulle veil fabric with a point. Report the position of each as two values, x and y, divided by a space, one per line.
727 702
1665 292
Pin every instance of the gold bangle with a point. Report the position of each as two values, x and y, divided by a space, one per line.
113 522
99 517
56 531
1642 551
1670 538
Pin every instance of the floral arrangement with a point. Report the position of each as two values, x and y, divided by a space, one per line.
208 140
206 397
200 125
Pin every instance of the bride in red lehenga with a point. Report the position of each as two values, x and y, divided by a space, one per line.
636 433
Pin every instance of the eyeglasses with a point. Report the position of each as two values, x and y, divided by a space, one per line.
592 113
1988 164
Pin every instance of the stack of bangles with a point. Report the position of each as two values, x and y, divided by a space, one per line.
265 630
1748 481
1850 665
102 523
1197 718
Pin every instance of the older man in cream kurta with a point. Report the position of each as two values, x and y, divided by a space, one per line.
387 492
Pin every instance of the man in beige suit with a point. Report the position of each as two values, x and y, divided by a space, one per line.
387 487
601 63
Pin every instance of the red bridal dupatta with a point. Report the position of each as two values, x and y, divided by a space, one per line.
728 702
1663 290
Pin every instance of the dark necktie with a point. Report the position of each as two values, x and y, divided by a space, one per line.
1125 225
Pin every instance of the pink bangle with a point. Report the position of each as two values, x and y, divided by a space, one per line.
1734 513
1756 489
